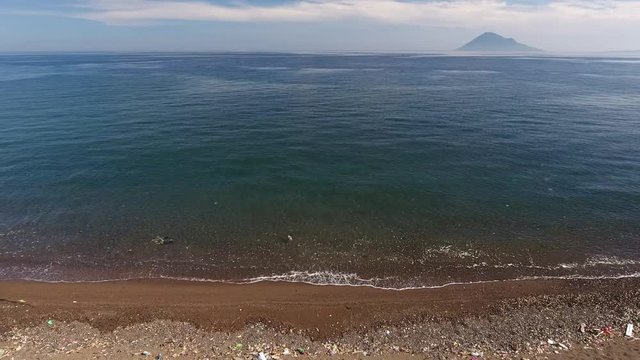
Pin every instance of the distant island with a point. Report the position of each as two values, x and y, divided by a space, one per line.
490 41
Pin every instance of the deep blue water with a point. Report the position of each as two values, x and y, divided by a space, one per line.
415 169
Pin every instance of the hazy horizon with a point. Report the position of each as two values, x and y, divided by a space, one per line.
556 26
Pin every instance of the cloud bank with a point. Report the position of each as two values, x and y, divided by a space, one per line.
458 13
550 24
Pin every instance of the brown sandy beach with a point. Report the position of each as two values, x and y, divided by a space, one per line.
198 320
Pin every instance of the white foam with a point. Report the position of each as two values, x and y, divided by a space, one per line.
601 260
266 68
333 70
463 72
318 277
451 252
341 279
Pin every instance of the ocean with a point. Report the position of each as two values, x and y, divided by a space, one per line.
388 170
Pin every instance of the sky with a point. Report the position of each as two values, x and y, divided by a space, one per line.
314 25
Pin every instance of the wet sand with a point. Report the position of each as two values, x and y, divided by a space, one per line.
511 319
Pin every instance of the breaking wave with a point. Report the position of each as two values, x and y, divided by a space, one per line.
317 278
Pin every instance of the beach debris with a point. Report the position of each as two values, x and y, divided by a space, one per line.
290 237
21 301
262 356
628 332
2 353
162 240
583 328
159 357
558 344
50 323
237 347
300 351
332 348
145 353
476 354
286 351
606 330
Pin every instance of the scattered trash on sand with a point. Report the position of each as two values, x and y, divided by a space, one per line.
607 330
145 353
162 240
628 332
286 351
583 327
159 357
290 237
300 351
262 356
50 323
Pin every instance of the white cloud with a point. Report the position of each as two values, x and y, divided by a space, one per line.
438 13
553 25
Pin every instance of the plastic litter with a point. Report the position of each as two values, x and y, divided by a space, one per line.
286 351
558 344
300 351
145 353
162 240
629 330
159 357
583 327
476 354
262 356
50 323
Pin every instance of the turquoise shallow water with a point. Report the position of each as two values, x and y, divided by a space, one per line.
408 170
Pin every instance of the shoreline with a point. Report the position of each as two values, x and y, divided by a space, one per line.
512 317
358 282
161 293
